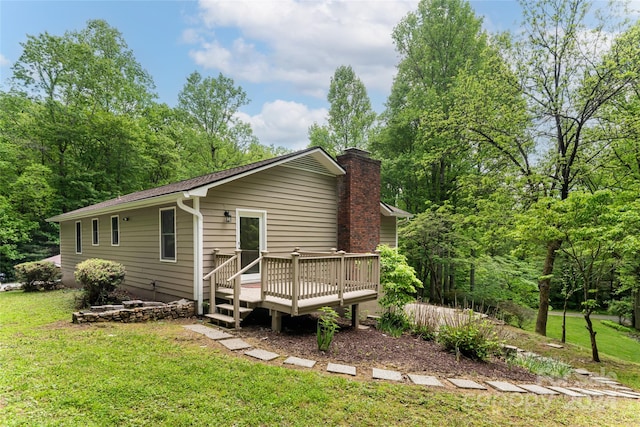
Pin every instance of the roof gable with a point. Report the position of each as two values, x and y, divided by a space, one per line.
314 159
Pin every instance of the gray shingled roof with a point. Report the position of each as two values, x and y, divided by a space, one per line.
186 185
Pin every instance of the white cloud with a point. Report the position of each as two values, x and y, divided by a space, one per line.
3 61
301 43
284 123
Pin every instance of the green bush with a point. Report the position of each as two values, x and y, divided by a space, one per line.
618 327
38 275
622 308
99 277
399 286
515 314
470 336
393 323
540 365
327 327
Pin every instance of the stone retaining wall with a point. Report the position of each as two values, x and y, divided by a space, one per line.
136 311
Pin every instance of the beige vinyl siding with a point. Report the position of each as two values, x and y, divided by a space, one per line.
301 209
139 251
388 231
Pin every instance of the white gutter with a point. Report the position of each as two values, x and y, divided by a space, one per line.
198 247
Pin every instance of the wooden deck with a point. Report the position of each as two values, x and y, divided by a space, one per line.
295 285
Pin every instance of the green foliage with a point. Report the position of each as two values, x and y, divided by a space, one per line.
398 280
394 323
38 275
539 365
99 277
470 336
327 327
350 114
619 327
515 314
622 308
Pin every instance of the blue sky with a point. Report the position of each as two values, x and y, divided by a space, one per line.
283 53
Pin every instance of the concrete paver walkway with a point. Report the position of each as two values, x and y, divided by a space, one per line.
229 341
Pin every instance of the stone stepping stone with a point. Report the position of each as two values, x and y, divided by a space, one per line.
383 374
425 380
537 389
297 361
567 392
552 345
581 371
506 387
262 354
214 334
621 388
460 383
601 378
336 368
235 344
587 391
610 382
620 394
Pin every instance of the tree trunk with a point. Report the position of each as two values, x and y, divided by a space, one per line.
564 321
472 272
592 335
544 285
636 309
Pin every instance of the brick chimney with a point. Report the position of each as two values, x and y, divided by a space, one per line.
359 202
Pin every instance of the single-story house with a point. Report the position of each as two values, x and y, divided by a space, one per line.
291 234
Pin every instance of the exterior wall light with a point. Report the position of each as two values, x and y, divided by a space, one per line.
227 216
126 218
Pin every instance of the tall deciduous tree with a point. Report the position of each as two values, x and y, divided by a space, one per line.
220 137
435 42
567 75
87 88
350 115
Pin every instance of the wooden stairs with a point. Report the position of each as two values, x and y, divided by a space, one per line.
223 311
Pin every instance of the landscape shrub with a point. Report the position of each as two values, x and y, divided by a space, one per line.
540 365
327 327
470 336
38 275
426 321
618 327
622 308
99 278
399 287
515 314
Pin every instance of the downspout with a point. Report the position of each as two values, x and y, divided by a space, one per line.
198 248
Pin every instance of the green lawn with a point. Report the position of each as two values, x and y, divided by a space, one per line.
610 342
54 373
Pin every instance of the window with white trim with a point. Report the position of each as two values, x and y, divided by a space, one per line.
115 230
168 234
78 237
95 232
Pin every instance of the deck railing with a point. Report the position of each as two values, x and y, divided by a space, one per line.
302 276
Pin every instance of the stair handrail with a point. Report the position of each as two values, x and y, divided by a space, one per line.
251 264
215 270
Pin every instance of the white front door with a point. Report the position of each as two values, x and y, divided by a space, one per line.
251 237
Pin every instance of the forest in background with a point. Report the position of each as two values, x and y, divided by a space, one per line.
517 152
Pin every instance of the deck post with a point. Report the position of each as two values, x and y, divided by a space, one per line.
341 276
264 274
213 282
295 285
355 316
236 290
276 320
376 271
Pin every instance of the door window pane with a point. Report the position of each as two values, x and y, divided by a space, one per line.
250 242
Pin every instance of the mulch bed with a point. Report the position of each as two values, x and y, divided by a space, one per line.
370 348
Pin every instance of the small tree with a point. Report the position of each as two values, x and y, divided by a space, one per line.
399 286
99 277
